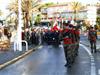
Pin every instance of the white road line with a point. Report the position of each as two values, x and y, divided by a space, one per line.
40 47
99 72
93 68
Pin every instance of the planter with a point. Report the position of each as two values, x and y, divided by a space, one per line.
4 45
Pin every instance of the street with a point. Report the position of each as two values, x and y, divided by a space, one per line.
50 60
37 35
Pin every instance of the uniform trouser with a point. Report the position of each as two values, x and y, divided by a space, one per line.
93 45
76 49
74 52
67 52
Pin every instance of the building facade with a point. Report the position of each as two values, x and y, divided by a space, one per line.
64 10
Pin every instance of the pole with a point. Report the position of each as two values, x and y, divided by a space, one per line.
19 30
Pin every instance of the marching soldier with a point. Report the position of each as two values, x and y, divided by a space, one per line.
73 45
70 37
67 41
77 39
92 36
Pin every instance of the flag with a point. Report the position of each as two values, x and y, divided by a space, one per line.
55 26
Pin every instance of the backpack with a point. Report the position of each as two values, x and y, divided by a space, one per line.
92 35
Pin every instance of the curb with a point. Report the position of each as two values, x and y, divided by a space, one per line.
17 58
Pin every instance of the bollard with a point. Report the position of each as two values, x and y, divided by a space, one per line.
16 45
26 44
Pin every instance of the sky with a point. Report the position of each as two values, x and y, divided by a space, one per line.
83 1
4 3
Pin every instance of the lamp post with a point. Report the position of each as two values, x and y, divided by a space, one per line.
19 30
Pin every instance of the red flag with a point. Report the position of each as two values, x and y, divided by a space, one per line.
55 27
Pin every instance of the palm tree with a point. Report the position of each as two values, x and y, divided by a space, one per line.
13 8
76 7
27 7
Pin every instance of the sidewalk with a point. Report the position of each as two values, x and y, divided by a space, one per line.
11 55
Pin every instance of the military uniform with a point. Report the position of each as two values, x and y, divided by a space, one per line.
77 39
92 36
70 43
67 41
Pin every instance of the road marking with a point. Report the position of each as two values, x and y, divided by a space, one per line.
40 47
60 45
93 68
50 46
99 72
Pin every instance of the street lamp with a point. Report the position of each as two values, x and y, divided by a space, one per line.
19 26
18 40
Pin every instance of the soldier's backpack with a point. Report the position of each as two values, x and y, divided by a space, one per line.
92 35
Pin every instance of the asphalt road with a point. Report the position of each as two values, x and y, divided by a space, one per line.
96 56
49 60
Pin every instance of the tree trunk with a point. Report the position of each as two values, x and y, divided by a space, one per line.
26 19
75 15
16 22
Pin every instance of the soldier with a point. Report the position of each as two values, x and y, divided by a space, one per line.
77 39
92 36
67 41
73 45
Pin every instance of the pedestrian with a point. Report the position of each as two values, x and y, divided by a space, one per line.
23 36
92 36
37 37
27 35
42 36
33 37
9 35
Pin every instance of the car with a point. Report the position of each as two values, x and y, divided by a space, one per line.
45 24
